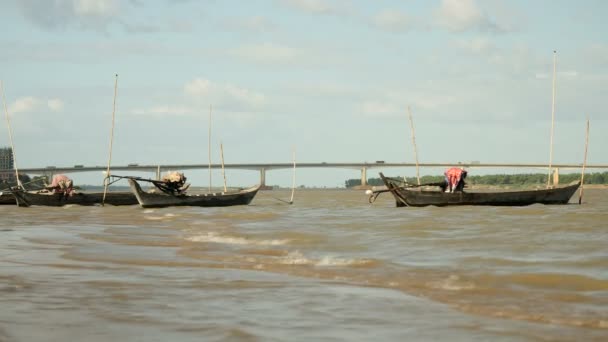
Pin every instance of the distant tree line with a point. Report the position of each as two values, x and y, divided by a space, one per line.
523 179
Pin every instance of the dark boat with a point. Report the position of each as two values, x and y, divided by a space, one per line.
409 196
45 198
165 199
7 198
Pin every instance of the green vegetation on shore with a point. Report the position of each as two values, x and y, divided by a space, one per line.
524 179
29 182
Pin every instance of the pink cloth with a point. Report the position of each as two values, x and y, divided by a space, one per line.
58 178
453 176
62 184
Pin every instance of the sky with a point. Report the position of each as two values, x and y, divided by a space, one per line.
331 80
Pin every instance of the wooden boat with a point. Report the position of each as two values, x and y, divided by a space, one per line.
164 199
45 198
7 198
408 196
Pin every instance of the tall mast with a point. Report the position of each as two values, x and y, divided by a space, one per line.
409 112
552 121
106 180
10 135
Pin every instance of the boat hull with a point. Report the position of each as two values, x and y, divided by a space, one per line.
7 198
26 199
161 200
419 198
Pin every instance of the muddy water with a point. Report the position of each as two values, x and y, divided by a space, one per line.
329 267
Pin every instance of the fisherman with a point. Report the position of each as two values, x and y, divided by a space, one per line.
61 184
176 182
454 179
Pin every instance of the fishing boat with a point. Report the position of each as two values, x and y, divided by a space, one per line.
50 199
7 198
167 198
415 196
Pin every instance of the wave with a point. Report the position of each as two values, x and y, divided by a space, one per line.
235 240
297 258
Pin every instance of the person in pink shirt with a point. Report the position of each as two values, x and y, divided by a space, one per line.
61 184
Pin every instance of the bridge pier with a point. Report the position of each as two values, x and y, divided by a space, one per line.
364 176
555 176
263 178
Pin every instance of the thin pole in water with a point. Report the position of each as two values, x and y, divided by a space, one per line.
209 147
10 135
409 111
106 180
580 194
293 181
223 171
552 120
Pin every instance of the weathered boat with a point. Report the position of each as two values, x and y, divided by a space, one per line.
50 199
167 199
7 198
409 196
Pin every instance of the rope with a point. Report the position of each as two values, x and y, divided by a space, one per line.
106 179
278 199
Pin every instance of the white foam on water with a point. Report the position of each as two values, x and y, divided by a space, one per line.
235 240
330 260
452 283
297 258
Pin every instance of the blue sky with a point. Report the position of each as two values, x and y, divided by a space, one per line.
331 79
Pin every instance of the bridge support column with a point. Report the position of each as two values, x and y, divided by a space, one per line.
263 178
363 176
49 176
158 172
556 176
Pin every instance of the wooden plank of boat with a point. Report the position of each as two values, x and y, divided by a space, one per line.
222 199
7 198
37 198
419 198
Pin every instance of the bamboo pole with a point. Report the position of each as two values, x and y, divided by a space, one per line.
223 171
580 194
106 180
409 111
552 120
293 180
10 135
209 147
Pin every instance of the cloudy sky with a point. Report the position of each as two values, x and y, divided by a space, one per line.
330 78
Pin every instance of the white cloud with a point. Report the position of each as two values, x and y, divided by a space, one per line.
55 105
251 24
392 20
23 105
463 15
313 6
164 110
29 104
321 7
87 14
266 53
227 95
394 102
478 45
380 108
95 7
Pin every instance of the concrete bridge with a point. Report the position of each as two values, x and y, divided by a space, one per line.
263 167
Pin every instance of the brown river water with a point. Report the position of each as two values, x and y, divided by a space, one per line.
330 267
